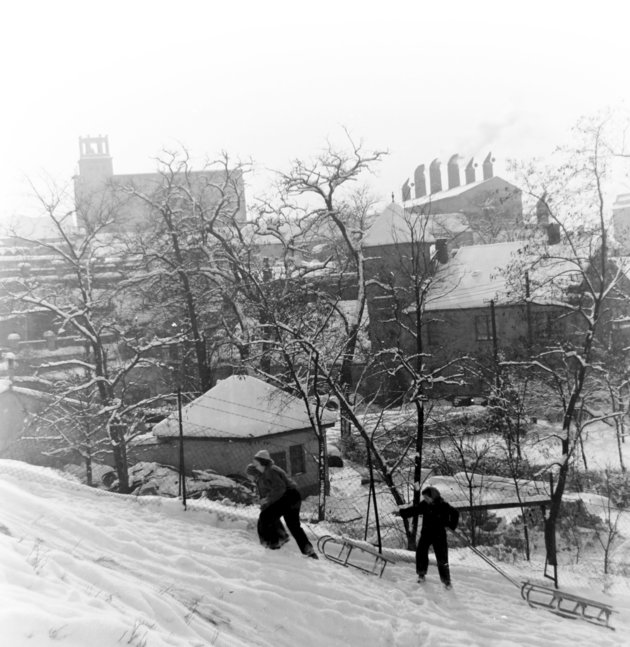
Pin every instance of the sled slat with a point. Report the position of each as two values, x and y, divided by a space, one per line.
567 605
342 552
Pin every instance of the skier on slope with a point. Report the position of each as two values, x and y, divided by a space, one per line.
279 497
437 515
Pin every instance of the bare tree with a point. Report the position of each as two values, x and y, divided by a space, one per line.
580 265
401 271
182 267
82 301
608 532
320 187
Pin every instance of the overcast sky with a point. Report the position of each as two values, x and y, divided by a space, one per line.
272 80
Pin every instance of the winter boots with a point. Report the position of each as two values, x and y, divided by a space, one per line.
309 551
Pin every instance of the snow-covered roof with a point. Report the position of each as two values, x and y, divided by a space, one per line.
477 274
240 406
456 191
8 386
395 224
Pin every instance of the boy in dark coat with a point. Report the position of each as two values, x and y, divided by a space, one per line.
437 515
272 536
279 497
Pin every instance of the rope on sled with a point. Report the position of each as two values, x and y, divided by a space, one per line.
486 559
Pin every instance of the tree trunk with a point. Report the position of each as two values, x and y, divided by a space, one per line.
119 448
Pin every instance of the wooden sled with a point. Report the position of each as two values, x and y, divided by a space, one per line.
343 552
567 605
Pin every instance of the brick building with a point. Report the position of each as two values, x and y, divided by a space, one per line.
99 191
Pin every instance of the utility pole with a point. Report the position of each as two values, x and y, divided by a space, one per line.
495 343
182 468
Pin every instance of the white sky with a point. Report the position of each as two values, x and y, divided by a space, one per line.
272 80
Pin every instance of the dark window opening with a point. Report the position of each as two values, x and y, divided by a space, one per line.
280 459
298 464
483 328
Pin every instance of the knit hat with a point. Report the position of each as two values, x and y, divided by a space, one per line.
264 454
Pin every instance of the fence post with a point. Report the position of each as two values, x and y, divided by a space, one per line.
182 469
117 435
550 542
322 475
373 494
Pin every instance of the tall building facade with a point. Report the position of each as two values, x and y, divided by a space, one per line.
129 200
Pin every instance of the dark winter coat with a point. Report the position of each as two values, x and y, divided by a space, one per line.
272 485
436 516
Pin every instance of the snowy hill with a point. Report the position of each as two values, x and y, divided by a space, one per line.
83 567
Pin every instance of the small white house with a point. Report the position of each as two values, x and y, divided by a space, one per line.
223 429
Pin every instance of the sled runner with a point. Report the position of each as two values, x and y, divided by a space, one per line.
567 605
342 551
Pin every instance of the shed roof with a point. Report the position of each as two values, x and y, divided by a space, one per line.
240 406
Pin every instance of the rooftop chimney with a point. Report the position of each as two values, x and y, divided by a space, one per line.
435 176
470 171
553 233
453 172
487 167
419 182
10 357
441 250
406 191
542 210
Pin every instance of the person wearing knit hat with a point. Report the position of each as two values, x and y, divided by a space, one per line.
437 516
279 498
276 535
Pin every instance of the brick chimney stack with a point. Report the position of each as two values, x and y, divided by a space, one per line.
488 171
406 191
542 210
10 357
419 182
435 176
453 172
441 250
470 172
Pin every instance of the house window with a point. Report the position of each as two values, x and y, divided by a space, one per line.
280 459
298 464
483 328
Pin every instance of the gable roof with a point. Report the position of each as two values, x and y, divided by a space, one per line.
240 406
491 183
393 226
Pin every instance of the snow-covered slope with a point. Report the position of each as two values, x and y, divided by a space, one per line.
81 567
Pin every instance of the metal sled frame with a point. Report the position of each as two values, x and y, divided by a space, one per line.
341 551
567 605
